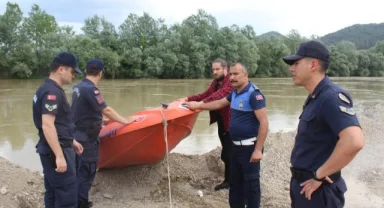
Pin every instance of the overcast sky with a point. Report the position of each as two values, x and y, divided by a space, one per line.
308 17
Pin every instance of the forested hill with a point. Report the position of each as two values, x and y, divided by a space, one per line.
363 35
271 33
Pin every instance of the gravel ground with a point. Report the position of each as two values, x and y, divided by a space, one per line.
147 185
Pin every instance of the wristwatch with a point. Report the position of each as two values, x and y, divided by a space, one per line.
317 179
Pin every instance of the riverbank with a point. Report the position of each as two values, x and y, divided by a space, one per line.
147 185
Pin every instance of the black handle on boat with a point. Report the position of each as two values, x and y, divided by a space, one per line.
184 105
165 106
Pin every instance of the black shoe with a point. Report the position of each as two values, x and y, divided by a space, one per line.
84 204
223 185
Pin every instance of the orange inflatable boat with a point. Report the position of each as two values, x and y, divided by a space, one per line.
143 141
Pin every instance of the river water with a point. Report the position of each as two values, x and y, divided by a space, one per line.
18 136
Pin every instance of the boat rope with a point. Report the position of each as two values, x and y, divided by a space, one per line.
165 124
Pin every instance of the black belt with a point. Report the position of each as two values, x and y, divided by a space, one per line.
303 175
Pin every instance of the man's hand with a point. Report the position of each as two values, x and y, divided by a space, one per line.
106 121
193 105
137 118
256 156
132 119
78 147
183 100
311 186
61 164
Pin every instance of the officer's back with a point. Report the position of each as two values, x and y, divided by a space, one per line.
87 106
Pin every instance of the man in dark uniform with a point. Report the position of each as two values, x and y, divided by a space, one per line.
52 118
329 134
88 105
248 129
219 88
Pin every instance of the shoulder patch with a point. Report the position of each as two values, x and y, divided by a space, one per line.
99 99
344 98
35 98
346 110
259 97
50 107
76 89
97 92
51 97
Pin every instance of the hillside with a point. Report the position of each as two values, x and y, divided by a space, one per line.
271 33
363 35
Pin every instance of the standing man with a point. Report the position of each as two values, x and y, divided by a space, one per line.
88 105
329 134
248 130
52 118
219 88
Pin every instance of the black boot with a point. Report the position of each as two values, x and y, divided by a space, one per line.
223 185
84 204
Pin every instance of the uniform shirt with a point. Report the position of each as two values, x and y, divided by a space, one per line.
244 123
87 105
50 98
325 114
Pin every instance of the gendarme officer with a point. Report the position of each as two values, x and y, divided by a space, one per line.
89 106
329 134
52 118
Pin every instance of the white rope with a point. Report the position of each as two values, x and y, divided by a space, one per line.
165 124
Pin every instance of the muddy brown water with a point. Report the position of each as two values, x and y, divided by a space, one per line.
18 135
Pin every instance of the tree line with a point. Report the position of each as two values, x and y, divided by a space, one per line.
144 47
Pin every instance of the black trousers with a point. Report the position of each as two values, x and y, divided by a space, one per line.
226 143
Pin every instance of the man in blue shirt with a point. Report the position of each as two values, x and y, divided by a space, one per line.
52 118
329 134
248 130
89 106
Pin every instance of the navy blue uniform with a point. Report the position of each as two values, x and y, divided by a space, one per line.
244 175
60 187
87 105
326 112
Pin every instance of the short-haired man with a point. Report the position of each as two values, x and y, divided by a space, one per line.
329 134
248 129
52 118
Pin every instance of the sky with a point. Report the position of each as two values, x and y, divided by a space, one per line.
307 17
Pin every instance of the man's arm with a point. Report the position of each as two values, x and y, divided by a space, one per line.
261 115
49 109
258 104
214 105
96 99
350 143
50 133
223 92
113 115
342 119
203 95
